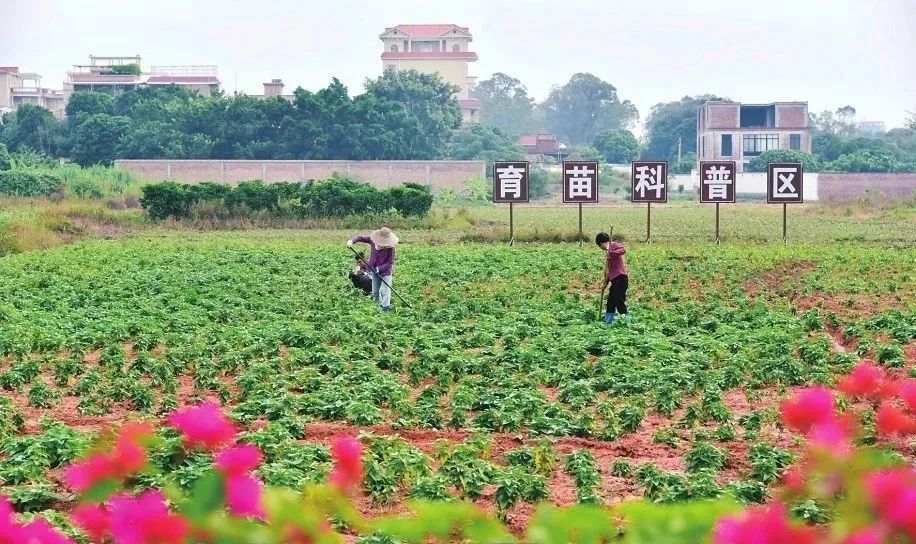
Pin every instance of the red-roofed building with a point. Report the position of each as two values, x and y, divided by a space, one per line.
439 48
538 145
200 78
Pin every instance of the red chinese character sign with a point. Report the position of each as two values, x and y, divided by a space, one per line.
580 185
649 182
510 185
785 185
717 182
717 185
510 182
580 182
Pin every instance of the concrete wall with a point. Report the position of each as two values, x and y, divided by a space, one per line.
436 174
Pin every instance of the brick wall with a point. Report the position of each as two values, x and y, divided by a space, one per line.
791 116
724 115
847 187
436 174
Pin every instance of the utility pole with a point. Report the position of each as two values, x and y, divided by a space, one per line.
679 149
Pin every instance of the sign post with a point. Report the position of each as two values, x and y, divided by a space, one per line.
785 185
580 185
649 183
510 185
717 185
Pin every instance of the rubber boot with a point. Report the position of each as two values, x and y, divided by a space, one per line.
608 318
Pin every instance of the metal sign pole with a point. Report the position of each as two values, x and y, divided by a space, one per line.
511 226
648 222
717 223
580 224
785 236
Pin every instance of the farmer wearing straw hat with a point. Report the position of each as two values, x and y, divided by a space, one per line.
381 263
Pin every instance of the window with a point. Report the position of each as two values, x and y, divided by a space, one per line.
394 49
456 48
755 144
726 145
795 141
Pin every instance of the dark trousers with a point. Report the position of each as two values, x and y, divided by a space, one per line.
617 298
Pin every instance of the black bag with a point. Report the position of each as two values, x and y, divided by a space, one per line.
362 280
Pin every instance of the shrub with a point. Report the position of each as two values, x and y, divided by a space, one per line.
411 199
22 183
166 199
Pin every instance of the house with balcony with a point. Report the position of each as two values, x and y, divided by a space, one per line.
442 49
539 147
115 75
18 88
739 132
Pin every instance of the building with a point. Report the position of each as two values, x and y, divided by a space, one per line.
274 87
539 146
18 88
871 127
202 79
442 49
115 75
739 132
110 75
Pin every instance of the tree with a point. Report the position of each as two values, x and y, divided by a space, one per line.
584 106
617 146
428 100
827 145
911 121
483 142
868 160
670 122
97 138
31 127
83 104
841 122
583 152
810 163
505 104
687 163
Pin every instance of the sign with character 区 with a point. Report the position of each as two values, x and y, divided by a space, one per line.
785 183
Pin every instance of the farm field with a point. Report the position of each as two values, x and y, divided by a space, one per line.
499 386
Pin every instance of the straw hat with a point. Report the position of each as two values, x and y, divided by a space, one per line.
383 237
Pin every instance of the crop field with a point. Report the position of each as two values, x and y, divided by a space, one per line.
500 385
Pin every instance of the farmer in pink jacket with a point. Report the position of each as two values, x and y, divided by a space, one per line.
615 274
381 263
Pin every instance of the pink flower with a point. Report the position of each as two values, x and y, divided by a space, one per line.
238 460
40 531
907 388
865 380
92 519
145 519
893 493
83 475
243 496
348 462
868 535
794 480
807 408
767 524
891 419
833 434
203 425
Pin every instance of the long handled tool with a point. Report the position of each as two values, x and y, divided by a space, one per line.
604 280
381 279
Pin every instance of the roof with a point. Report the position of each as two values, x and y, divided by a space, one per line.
539 143
428 31
182 80
528 139
469 55
9 69
468 102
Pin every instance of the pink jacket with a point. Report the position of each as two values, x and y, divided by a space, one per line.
615 263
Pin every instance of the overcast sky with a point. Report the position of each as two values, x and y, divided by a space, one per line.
829 53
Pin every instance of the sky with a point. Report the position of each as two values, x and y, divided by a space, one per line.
828 53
